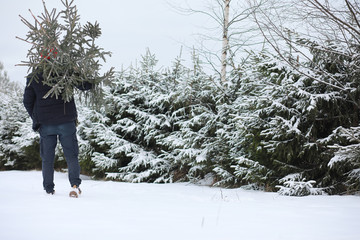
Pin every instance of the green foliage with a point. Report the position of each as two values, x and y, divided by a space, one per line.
274 126
65 51
156 124
29 158
12 114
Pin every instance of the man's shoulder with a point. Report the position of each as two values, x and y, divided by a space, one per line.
35 75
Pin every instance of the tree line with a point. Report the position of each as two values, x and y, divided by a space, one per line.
286 119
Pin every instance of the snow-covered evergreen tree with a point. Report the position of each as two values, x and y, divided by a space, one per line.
122 134
280 123
158 124
17 138
339 110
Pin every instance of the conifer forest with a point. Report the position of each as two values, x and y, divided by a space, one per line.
275 108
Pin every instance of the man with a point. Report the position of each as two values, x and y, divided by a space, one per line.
54 118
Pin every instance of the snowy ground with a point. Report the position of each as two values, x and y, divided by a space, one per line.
112 210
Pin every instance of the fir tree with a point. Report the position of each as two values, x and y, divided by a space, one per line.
65 51
18 148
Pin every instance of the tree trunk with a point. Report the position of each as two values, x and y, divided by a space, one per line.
225 41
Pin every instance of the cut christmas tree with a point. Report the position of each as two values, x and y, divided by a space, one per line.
64 51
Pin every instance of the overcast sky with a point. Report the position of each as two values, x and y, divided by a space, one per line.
128 28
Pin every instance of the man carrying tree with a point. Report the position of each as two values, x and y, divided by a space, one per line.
63 59
53 118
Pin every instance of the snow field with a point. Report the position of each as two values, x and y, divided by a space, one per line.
113 210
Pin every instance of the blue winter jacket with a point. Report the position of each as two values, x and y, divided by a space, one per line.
49 110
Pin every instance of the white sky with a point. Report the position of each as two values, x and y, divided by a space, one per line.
128 28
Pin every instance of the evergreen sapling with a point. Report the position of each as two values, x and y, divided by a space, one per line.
64 51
